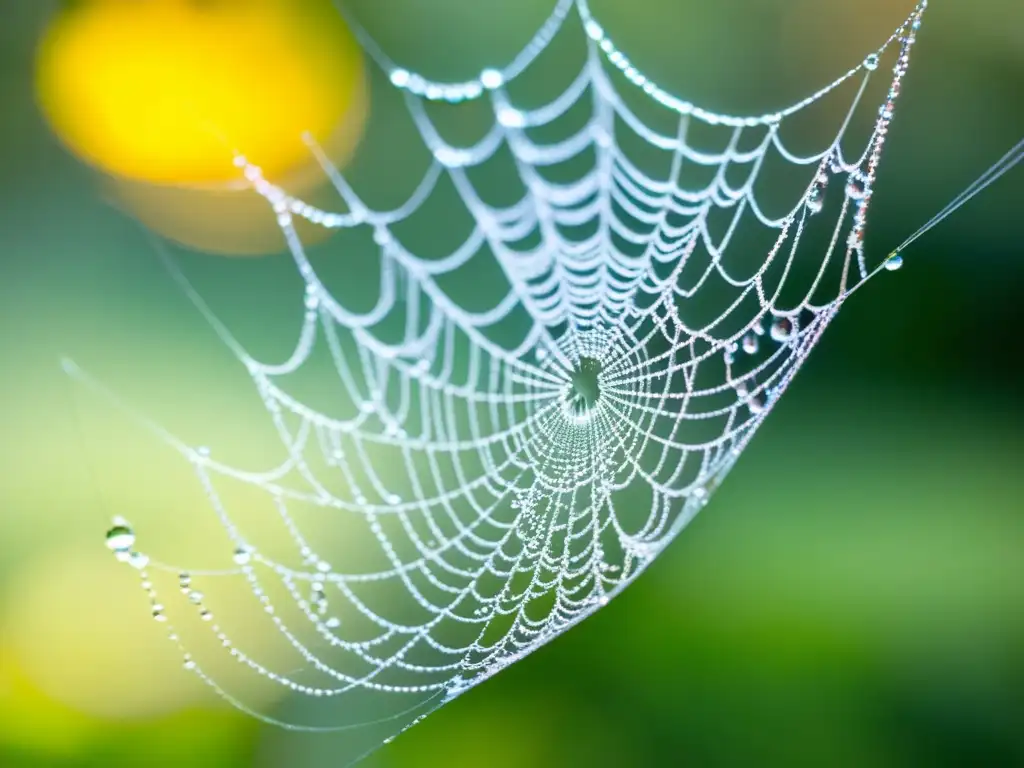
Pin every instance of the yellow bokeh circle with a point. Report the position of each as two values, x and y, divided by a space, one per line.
159 95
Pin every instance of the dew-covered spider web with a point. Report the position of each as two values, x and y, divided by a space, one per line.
645 277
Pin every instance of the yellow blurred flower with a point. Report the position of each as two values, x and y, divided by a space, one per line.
160 95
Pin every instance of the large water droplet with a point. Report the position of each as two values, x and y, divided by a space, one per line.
894 262
120 538
782 329
511 118
750 343
400 78
242 556
381 236
491 79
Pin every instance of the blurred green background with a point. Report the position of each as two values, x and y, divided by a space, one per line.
853 595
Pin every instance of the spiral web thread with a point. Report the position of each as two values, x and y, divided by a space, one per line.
517 465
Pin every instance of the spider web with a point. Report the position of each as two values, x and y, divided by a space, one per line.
506 463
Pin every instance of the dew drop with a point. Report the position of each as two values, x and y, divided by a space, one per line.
381 236
120 538
757 402
871 62
750 343
242 556
333 622
894 262
454 93
782 329
491 79
511 118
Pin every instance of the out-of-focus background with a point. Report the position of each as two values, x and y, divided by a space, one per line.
853 595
